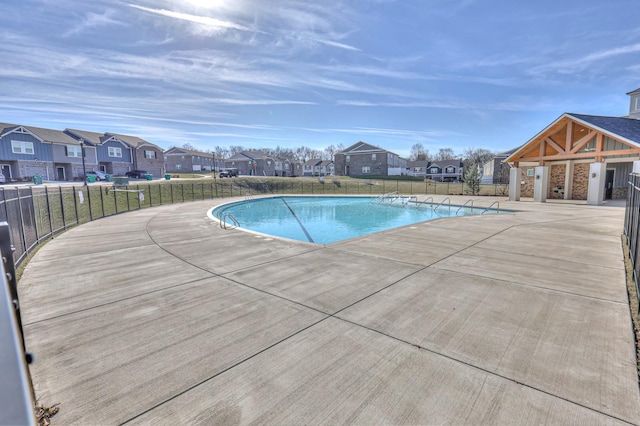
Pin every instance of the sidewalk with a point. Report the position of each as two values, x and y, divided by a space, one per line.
160 317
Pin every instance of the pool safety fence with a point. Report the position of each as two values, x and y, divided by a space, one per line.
36 213
632 226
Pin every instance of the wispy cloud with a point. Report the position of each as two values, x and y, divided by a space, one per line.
93 21
203 20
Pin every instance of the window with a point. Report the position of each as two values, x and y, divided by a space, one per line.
433 170
373 157
21 147
366 169
150 154
74 151
530 172
178 166
451 169
638 103
348 158
115 152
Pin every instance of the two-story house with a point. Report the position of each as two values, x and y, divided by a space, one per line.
445 171
27 151
146 156
362 159
251 163
113 154
184 160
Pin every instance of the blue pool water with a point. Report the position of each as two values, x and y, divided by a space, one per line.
326 220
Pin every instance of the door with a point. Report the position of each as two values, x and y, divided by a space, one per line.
6 171
608 185
60 173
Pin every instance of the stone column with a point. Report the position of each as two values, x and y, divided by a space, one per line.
541 184
568 181
595 192
515 176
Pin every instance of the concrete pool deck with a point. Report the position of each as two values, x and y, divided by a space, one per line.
160 317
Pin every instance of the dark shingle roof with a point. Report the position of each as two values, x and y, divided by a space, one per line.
627 128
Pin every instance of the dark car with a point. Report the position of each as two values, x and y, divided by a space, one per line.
229 173
136 174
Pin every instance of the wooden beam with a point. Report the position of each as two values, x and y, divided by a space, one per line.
569 138
543 151
599 139
580 155
582 142
555 146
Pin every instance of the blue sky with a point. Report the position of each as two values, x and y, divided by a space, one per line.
444 73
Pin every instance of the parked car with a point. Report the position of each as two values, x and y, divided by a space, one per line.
98 174
3 179
136 174
229 173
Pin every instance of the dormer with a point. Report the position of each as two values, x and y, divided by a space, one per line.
634 105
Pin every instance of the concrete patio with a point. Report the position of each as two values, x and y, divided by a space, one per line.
161 317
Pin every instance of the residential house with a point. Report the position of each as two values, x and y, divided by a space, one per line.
496 171
251 163
445 170
579 157
184 160
362 159
319 167
114 156
27 151
146 156
417 168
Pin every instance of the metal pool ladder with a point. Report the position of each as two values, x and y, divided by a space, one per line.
462 206
442 202
226 225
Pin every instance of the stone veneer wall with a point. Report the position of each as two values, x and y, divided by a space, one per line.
620 192
526 190
556 181
580 181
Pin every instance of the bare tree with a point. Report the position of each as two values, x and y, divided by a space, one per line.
189 146
477 156
419 153
445 154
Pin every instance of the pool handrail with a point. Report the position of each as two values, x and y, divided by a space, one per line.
462 206
491 205
442 202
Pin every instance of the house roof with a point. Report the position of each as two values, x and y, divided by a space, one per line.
362 147
7 126
52 136
627 128
93 138
132 141
633 92
183 151
622 128
313 162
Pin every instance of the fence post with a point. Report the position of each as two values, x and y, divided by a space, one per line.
46 193
102 201
89 200
64 220
24 237
75 204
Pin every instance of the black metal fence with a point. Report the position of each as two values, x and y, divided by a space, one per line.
632 225
37 213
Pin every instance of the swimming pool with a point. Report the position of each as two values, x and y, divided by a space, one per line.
324 220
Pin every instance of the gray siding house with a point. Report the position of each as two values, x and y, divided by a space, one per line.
184 160
27 151
445 171
362 159
146 156
113 154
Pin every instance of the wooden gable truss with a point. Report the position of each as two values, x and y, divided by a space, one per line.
567 139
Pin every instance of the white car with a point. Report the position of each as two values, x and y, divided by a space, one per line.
98 174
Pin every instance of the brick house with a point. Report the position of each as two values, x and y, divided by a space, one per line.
362 159
184 160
